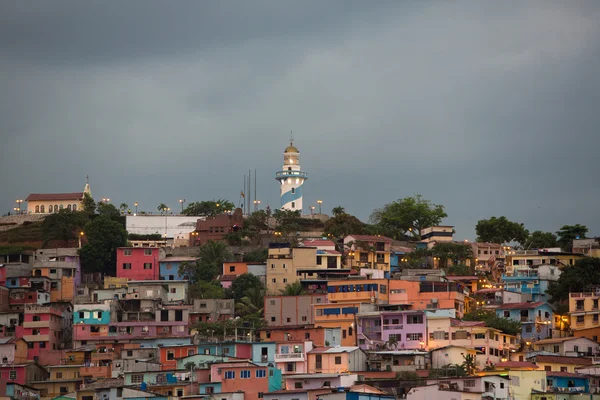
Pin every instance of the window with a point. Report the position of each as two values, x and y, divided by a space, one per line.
232 268
595 318
469 383
229 374
59 375
261 373
272 319
293 189
36 332
147 252
395 336
383 289
138 378
245 374
297 385
129 353
293 204
36 318
528 329
190 352
304 319
414 336
414 319
506 314
556 348
284 280
319 260
42 345
126 265
547 368
127 252
37 209
563 369
147 265
261 395
173 290
338 360
179 392
580 319
274 280
170 355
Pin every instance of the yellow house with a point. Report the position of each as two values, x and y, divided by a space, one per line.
560 363
113 282
522 258
368 251
63 379
48 203
285 264
522 381
340 315
584 311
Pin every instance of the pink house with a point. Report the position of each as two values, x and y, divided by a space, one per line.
42 330
138 263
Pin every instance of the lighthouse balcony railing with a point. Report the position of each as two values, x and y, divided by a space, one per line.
288 174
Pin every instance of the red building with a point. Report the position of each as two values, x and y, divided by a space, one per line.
215 228
138 263
21 374
42 330
169 355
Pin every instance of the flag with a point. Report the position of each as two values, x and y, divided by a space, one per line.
242 194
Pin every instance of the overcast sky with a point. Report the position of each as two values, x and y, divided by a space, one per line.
487 107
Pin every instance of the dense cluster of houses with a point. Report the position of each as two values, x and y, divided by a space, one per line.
361 328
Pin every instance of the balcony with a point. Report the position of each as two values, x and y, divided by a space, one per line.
36 338
392 327
36 324
290 174
350 296
109 355
289 357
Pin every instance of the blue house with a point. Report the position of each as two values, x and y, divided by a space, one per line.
91 314
263 352
169 267
567 382
532 280
536 318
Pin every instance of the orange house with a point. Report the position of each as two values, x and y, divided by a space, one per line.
169 355
253 379
335 360
235 268
280 334
343 316
427 295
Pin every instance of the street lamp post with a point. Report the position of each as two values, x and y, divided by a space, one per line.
256 205
105 200
79 237
19 201
136 205
320 202
312 209
182 201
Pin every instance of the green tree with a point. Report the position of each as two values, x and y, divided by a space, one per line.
88 205
568 233
257 222
342 225
540 240
458 270
104 235
211 256
287 221
64 225
243 282
252 304
338 211
206 290
500 230
208 208
578 278
292 289
258 256
469 364
408 215
123 207
455 252
489 317
108 210
162 208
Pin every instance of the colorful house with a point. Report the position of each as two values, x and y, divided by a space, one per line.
13 351
404 329
169 267
427 295
339 359
569 346
291 357
253 379
291 310
368 251
43 331
563 385
341 316
63 379
138 263
20 374
584 310
537 319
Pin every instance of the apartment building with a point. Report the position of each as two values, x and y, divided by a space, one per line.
291 310
536 318
368 251
137 263
584 311
393 330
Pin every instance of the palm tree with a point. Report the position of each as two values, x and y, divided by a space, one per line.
469 364
124 207
339 210
252 303
392 343
214 252
292 289
162 208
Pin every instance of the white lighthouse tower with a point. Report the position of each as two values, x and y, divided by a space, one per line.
291 179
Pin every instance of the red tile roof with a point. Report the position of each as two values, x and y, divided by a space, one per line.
520 306
488 290
516 364
54 196
318 243
565 374
562 360
372 238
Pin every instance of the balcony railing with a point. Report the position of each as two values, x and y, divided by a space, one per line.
289 357
291 174
36 324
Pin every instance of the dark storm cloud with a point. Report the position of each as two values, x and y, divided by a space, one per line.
487 108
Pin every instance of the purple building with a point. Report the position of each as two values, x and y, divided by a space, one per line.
392 330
